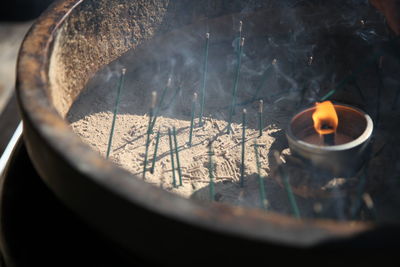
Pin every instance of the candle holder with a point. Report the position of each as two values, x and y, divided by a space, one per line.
351 140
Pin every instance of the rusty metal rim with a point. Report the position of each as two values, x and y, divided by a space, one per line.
32 85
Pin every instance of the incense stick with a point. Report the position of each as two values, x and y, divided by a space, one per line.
203 86
153 103
158 109
235 85
116 107
178 164
171 151
153 165
348 78
260 178
240 34
243 148
192 118
211 171
260 117
285 178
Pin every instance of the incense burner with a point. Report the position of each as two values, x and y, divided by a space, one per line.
351 140
75 39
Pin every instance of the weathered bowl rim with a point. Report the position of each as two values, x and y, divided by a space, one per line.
364 137
42 121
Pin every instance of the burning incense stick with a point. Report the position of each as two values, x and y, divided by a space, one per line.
260 117
171 151
235 85
263 199
211 170
178 164
153 165
310 60
240 34
153 103
116 107
203 86
192 118
243 147
158 109
288 188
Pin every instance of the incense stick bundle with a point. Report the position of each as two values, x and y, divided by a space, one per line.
116 107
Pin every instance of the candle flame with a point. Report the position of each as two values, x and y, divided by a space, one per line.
325 118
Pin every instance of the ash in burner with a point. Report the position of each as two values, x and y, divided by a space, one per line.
287 63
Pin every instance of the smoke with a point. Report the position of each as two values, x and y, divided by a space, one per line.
295 52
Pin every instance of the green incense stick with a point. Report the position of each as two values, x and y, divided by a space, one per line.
178 164
292 199
211 171
116 107
158 109
153 165
260 117
240 34
260 178
192 118
285 178
153 103
203 85
171 151
243 148
235 85
349 78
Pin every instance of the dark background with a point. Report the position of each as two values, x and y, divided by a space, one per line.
22 10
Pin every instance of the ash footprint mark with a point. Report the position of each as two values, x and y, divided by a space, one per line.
225 170
196 171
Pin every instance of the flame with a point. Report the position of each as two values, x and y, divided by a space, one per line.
325 118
